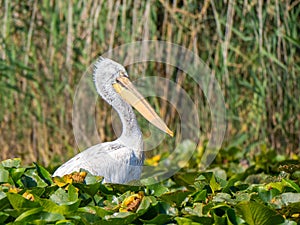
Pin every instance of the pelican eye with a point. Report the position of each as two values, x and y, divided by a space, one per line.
123 74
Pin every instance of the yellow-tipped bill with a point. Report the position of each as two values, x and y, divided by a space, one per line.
128 92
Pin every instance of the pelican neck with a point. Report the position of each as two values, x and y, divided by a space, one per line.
131 134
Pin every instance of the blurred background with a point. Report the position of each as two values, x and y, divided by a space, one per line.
251 47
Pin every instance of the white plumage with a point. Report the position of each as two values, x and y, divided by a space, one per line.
119 161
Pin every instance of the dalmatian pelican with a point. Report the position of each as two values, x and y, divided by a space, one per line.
121 160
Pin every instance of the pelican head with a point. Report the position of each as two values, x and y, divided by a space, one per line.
106 73
113 84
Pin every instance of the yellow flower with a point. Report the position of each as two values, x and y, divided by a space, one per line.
132 202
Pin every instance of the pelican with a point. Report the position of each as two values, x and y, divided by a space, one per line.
121 160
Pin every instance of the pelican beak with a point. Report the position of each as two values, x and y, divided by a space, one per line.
129 93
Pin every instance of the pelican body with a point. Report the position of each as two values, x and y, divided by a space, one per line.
121 160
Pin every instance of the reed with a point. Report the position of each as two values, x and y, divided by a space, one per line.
252 48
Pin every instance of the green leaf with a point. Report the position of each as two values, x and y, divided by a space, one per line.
32 179
50 206
38 191
290 197
176 197
255 213
91 179
185 221
4 175
63 197
231 182
39 215
231 217
224 214
19 202
85 217
200 185
11 163
4 203
64 222
157 189
185 178
214 185
267 195
290 201
60 196
90 189
291 184
195 210
72 193
201 219
200 196
242 197
3 217
44 174
119 218
14 213
289 222
275 185
158 220
16 173
28 213
101 212
145 204
123 188
222 197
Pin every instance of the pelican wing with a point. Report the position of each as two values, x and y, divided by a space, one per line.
112 160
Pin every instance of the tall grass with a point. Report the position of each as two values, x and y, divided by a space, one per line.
252 48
